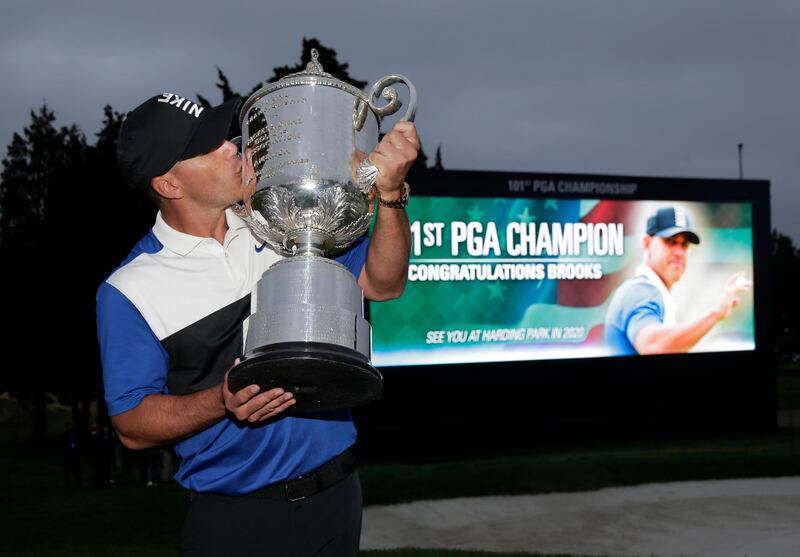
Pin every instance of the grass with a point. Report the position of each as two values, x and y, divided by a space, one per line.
582 469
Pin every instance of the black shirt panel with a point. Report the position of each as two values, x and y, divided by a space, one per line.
201 353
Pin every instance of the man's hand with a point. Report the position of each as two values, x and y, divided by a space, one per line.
735 285
393 157
248 406
661 339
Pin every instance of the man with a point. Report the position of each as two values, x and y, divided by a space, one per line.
641 315
170 325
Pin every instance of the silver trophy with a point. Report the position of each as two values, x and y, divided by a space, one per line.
310 192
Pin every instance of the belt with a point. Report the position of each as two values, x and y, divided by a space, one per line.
302 487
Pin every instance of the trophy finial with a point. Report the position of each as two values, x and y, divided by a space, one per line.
314 66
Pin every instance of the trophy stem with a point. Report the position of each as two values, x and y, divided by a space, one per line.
308 242
307 249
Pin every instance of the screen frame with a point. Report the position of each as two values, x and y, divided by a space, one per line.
479 408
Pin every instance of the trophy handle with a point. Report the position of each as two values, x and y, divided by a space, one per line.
390 94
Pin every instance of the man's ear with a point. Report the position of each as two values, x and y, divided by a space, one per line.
167 186
646 241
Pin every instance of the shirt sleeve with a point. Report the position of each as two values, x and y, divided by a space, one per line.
645 307
134 362
355 256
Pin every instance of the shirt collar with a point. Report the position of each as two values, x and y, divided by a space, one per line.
669 303
183 244
234 221
647 272
235 225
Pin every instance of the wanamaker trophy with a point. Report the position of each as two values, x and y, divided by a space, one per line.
305 141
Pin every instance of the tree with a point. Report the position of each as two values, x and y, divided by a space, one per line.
67 219
33 165
437 165
785 270
39 164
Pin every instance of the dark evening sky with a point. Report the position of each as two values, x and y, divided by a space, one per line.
607 87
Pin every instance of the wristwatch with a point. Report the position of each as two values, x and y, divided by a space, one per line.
397 203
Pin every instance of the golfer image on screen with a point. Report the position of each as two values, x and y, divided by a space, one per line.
641 315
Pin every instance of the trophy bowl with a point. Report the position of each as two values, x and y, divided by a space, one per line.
309 194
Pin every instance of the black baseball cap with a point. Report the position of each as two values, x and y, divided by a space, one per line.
166 129
668 221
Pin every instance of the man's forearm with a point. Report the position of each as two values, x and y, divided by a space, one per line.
386 268
161 419
658 339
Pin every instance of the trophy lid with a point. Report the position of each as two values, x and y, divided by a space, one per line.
312 75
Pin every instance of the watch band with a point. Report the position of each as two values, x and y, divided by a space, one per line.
397 203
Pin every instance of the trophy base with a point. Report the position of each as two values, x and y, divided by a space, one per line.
321 376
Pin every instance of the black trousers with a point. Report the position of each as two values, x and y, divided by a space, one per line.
327 524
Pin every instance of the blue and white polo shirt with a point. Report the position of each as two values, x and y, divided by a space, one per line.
170 320
637 303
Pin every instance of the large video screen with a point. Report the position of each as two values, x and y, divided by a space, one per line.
512 279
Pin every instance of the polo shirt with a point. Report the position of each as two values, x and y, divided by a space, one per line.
637 303
171 319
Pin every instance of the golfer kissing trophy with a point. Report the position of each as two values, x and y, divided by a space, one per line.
310 188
